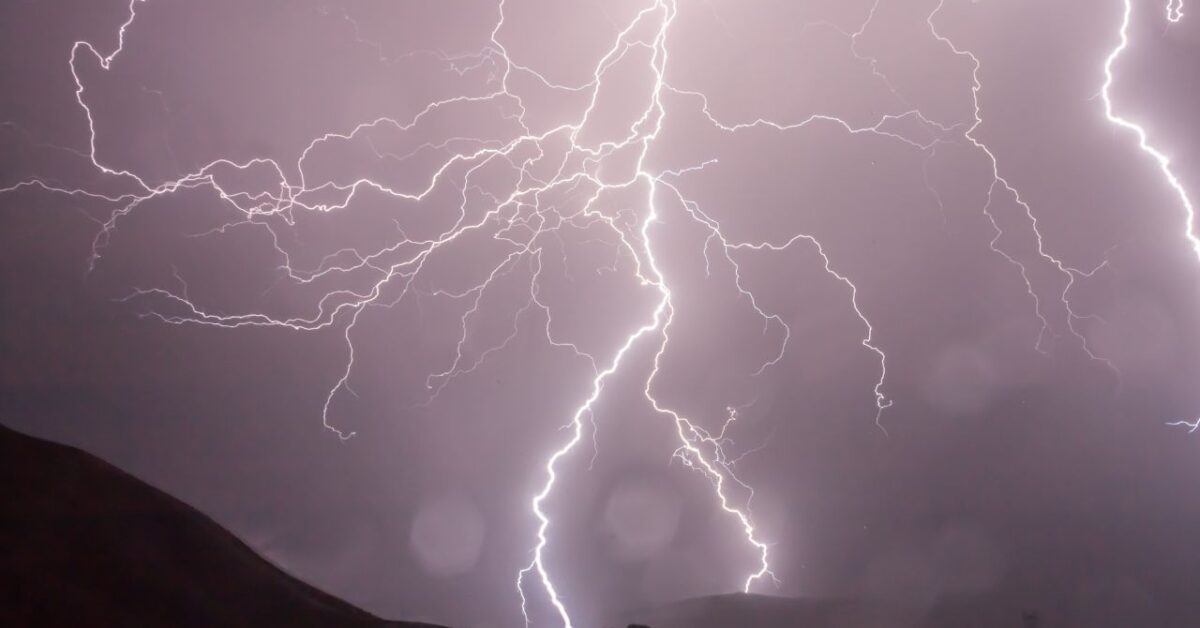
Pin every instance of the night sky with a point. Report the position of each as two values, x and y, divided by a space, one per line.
344 275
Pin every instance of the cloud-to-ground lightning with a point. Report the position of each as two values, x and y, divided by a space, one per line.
343 306
525 222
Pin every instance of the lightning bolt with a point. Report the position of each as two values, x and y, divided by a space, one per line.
531 215
692 438
402 262
1174 11
1174 14
999 183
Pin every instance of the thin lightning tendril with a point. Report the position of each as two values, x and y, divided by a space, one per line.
999 182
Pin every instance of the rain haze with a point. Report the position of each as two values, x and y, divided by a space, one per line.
506 312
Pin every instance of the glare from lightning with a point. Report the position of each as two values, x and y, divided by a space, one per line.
524 220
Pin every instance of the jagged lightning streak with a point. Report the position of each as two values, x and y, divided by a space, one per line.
881 400
256 207
521 219
698 448
690 435
1070 273
1174 14
1174 10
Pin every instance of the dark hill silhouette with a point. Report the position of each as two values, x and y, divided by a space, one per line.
86 544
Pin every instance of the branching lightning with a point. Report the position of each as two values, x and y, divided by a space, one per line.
525 222
1000 183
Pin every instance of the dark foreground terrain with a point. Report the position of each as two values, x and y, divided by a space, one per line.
85 544
755 611
962 611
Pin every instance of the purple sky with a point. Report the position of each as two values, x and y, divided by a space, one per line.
189 319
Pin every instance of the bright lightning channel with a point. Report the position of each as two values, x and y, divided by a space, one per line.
522 220
1174 14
